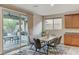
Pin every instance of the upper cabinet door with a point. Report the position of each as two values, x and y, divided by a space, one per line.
72 21
75 21
68 21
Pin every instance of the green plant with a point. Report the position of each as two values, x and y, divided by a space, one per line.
9 24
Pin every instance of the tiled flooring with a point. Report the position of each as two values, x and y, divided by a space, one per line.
73 50
64 50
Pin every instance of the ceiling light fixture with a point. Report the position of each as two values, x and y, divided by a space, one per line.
51 4
35 5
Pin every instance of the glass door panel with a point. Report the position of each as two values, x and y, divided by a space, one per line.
24 31
15 30
11 32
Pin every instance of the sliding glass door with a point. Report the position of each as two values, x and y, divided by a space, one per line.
15 31
24 31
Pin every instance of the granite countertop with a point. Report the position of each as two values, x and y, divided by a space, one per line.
71 33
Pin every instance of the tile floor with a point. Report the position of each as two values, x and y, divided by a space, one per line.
65 50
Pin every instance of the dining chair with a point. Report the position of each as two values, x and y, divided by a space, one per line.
31 42
52 44
58 41
52 41
55 43
38 46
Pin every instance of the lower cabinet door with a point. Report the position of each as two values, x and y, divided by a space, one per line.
75 40
67 39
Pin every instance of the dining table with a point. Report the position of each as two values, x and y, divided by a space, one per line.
46 39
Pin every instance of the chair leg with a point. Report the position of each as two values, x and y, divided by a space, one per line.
31 46
55 50
35 51
39 51
44 49
47 49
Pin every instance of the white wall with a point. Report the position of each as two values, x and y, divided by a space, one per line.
37 24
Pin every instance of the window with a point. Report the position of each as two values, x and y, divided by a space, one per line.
51 24
58 24
48 24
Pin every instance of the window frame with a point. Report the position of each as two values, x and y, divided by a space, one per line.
53 23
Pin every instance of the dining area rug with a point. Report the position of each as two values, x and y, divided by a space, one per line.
61 50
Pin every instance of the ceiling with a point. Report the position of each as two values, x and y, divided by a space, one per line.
47 9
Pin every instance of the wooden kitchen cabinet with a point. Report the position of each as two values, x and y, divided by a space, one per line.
72 21
71 39
75 21
75 39
68 22
67 39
